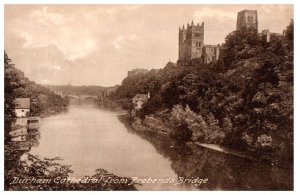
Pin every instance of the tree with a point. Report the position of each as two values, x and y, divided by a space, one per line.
239 45
290 33
11 81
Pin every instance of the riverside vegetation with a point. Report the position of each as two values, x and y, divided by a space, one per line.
243 101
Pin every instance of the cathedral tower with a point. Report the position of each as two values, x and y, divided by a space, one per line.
247 18
191 41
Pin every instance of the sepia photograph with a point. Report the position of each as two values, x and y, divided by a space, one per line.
148 97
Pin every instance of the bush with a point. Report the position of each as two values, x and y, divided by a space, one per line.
190 126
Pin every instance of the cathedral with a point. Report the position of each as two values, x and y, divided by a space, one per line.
191 39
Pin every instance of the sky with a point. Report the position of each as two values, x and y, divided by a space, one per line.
99 44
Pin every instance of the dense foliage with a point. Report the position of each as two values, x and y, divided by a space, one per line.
244 101
11 81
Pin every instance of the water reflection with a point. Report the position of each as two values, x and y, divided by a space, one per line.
25 139
224 171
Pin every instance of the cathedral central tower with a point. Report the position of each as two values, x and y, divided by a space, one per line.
191 41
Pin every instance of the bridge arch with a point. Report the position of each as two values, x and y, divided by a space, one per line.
73 96
73 99
82 99
89 97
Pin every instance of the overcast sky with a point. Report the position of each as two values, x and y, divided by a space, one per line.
98 44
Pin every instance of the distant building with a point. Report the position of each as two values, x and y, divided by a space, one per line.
210 53
191 44
267 34
248 19
284 32
58 92
136 72
139 99
22 107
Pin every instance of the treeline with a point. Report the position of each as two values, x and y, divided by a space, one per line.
82 90
17 85
243 101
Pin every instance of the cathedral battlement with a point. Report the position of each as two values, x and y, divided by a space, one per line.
249 10
192 26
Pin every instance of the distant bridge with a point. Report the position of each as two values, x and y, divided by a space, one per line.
83 99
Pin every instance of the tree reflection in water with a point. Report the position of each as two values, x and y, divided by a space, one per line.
224 171
24 146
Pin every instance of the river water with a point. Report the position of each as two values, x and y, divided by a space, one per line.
88 138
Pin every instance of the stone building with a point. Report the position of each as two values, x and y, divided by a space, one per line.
210 53
267 34
191 44
247 18
22 107
139 99
19 128
58 92
191 41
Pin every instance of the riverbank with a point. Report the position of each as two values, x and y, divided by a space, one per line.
156 125
153 125
220 165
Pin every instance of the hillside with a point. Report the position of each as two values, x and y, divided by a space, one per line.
243 101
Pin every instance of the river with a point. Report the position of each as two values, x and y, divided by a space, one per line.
88 138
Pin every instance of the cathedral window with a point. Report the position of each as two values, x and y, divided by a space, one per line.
197 34
250 19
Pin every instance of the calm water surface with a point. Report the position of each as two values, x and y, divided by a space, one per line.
89 138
